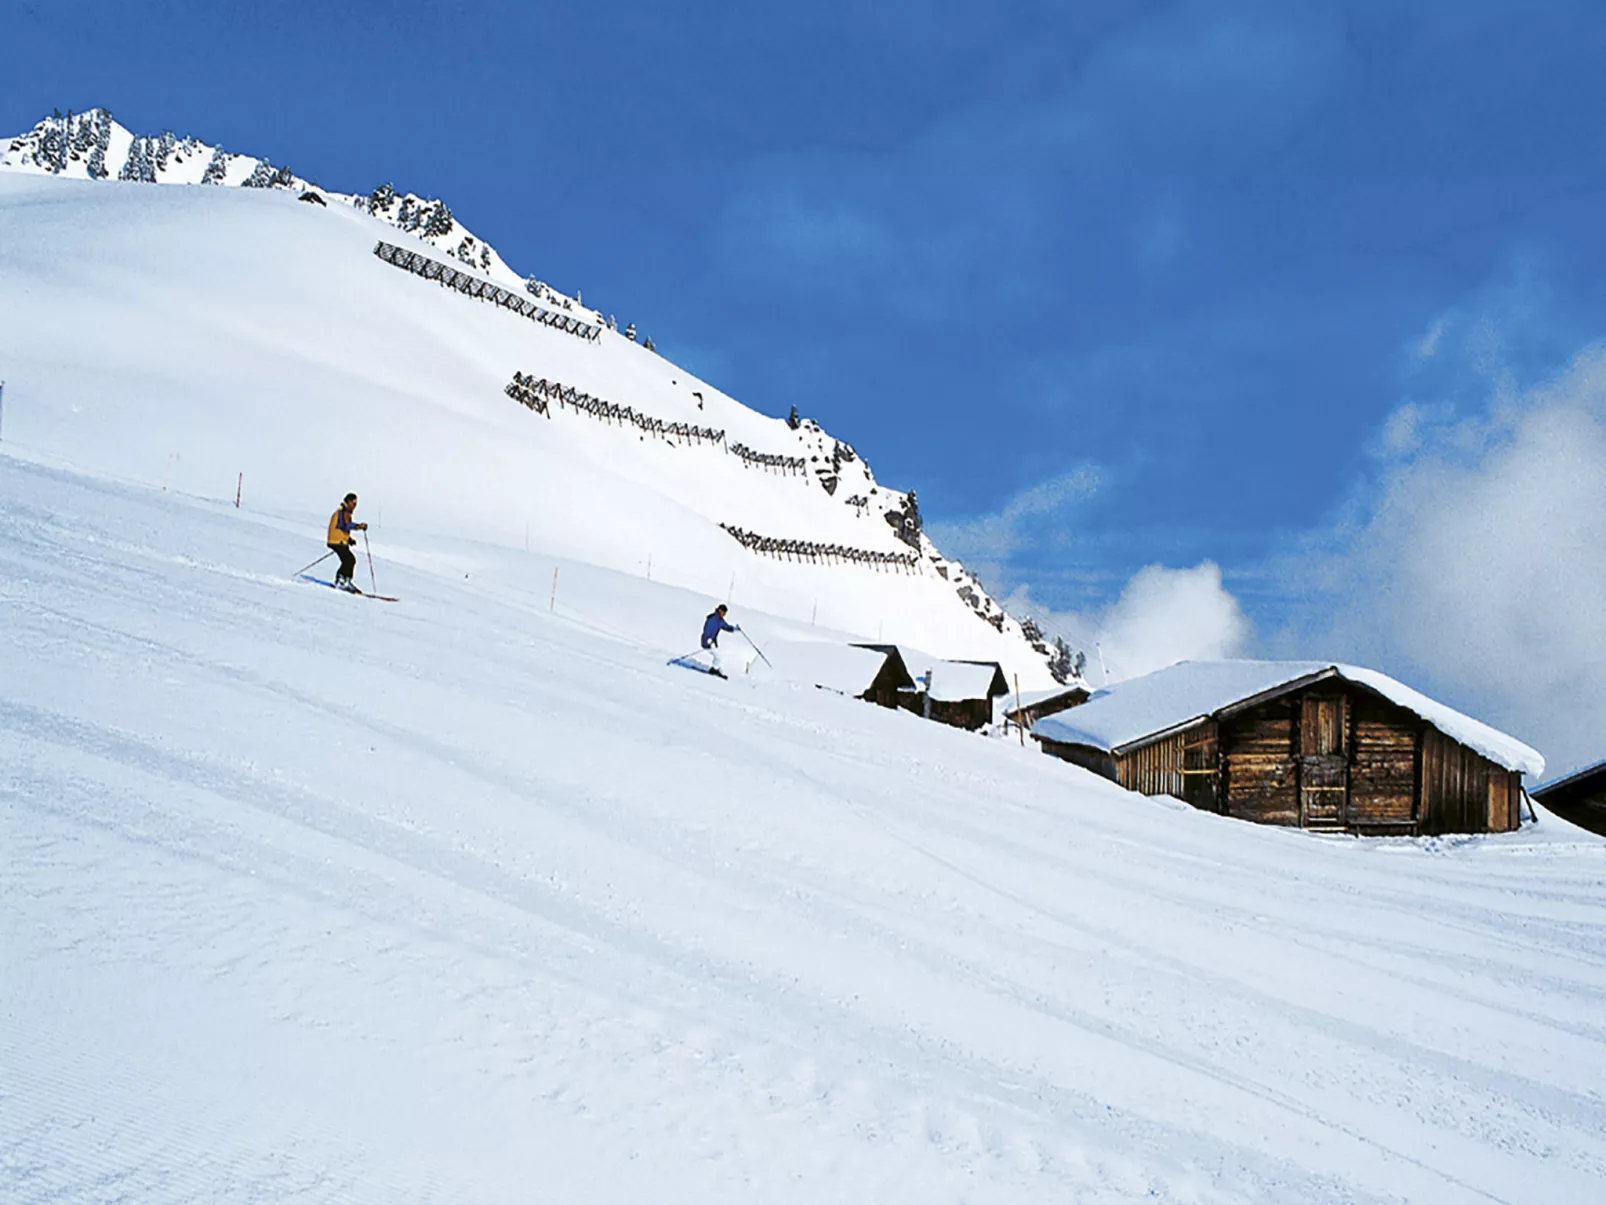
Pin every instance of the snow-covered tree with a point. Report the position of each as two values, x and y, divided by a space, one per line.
282 178
646 341
381 199
261 175
485 257
216 168
164 148
139 166
438 222
99 142
1061 666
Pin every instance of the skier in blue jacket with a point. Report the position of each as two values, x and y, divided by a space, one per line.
712 627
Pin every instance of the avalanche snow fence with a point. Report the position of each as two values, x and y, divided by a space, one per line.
1318 751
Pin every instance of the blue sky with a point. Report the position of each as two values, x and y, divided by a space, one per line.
1114 285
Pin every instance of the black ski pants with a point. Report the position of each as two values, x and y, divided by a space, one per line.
348 562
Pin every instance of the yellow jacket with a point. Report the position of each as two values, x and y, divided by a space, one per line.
340 533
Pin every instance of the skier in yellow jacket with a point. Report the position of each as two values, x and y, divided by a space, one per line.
341 525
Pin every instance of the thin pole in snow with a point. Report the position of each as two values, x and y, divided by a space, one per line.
238 486
731 593
370 553
2 406
553 605
814 613
319 561
1020 716
1103 669
649 566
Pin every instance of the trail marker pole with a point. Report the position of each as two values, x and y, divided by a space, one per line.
649 566
314 564
1020 716
756 649
553 605
370 553
2 406
238 486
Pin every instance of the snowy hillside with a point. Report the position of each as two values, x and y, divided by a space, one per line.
254 330
307 897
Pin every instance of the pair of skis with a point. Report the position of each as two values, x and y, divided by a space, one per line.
318 581
685 661
302 575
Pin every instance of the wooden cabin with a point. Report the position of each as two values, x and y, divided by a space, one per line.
1309 744
1579 798
959 693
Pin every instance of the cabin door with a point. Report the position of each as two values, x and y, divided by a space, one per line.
1323 762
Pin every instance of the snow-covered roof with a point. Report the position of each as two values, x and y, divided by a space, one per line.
1128 712
956 681
1031 698
841 667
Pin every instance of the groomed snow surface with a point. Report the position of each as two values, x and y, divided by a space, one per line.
459 899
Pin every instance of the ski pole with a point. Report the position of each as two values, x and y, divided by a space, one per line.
370 553
319 561
756 649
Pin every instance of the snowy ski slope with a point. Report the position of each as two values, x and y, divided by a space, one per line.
311 898
182 335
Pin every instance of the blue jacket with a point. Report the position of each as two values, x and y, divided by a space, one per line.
712 627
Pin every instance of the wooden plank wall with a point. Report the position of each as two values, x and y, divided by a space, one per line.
1154 769
1464 792
1201 766
1383 792
1258 748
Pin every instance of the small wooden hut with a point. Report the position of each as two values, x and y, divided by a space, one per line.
959 693
1580 797
1311 744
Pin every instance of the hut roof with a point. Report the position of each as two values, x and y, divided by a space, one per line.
1033 698
847 668
957 681
1133 712
1598 770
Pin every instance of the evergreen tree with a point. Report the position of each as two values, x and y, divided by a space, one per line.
647 342
139 167
216 168
792 419
283 178
485 257
102 139
630 332
439 222
261 175
164 148
1060 665
381 199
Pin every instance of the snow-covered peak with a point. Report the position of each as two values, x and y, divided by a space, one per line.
93 145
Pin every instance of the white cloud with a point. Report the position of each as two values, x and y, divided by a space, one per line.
985 543
1162 616
1475 560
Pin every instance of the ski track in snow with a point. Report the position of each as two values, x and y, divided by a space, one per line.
459 899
